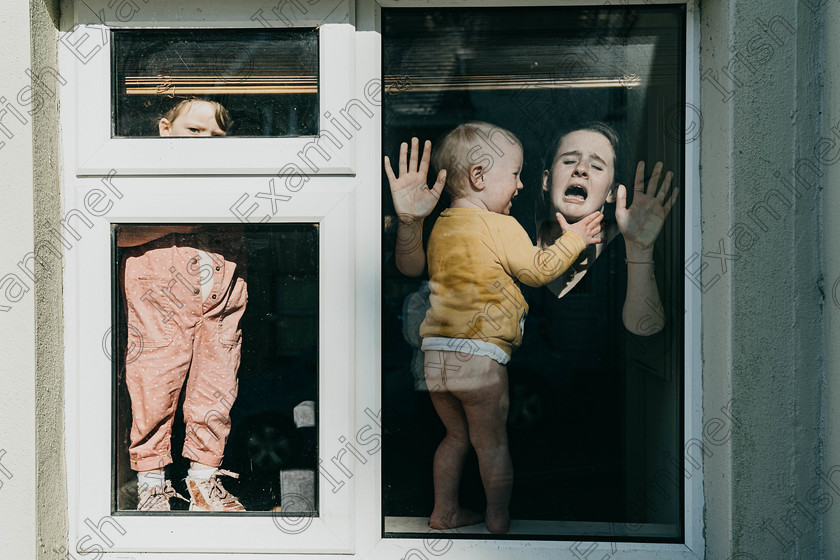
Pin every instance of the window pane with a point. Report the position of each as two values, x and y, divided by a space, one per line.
266 79
217 327
595 416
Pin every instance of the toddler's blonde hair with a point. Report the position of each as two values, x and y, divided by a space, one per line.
468 144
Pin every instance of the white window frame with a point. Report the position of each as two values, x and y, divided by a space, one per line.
97 152
346 204
89 279
124 180
591 548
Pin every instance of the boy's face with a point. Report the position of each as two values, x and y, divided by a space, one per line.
197 119
582 174
502 182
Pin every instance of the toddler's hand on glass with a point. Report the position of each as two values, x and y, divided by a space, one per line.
589 228
413 199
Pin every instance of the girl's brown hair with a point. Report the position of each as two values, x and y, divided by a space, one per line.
222 115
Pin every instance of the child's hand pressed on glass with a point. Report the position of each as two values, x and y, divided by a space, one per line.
412 198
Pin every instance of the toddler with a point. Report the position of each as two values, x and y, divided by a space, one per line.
476 254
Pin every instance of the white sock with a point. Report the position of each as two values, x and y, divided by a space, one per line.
201 473
150 479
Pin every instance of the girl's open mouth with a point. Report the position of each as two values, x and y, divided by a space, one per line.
575 194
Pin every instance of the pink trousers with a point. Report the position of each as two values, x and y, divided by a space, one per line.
174 334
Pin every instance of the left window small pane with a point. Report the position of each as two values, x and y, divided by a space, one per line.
266 79
216 331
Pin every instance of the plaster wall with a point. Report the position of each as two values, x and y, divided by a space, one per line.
51 481
831 248
762 318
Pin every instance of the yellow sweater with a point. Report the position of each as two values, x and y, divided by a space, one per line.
475 257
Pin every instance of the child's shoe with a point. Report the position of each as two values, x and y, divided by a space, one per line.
210 495
156 498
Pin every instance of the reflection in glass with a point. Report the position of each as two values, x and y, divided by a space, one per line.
216 328
267 79
595 417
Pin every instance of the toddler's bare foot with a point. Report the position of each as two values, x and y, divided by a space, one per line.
498 522
454 518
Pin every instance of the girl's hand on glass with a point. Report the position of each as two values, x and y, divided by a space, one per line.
589 228
642 223
413 199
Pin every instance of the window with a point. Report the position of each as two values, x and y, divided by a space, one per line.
245 216
280 367
259 409
267 78
596 421
303 73
326 314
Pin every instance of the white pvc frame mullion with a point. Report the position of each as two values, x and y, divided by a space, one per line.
693 408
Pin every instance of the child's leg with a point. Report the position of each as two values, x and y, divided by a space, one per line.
449 463
212 384
485 405
154 375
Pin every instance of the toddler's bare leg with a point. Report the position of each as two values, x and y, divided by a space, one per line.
450 454
449 464
486 409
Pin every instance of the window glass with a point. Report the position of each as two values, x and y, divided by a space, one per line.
594 425
266 79
216 328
